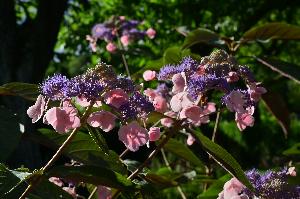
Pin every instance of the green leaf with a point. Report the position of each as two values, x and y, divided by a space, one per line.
202 35
223 158
293 151
181 150
85 150
277 106
214 189
12 185
161 181
25 90
154 117
172 55
285 69
272 31
10 133
98 139
96 175
175 54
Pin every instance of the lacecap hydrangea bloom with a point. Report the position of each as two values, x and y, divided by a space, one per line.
118 28
191 80
114 98
268 185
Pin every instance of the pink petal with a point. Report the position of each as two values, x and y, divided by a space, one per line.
232 77
149 75
151 33
150 93
154 133
133 136
62 119
103 119
175 102
160 104
190 140
178 82
235 102
104 192
292 171
111 47
125 40
36 111
116 97
180 100
167 122
56 181
243 120
82 101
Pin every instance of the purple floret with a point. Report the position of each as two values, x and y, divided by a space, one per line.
167 72
141 103
200 84
55 87
88 86
272 185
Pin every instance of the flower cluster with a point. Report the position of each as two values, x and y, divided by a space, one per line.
118 28
113 97
269 185
192 80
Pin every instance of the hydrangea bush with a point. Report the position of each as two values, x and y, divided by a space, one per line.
188 96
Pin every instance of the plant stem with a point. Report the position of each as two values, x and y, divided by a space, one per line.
154 152
93 192
169 167
56 155
124 153
208 169
123 57
216 126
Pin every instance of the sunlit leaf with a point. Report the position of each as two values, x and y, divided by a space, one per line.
182 151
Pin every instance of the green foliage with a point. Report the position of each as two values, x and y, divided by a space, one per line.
85 150
272 31
25 90
13 185
202 35
223 158
182 151
10 132
97 175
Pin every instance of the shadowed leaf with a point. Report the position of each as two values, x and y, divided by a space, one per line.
276 104
223 158
25 90
96 175
202 35
288 70
272 31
